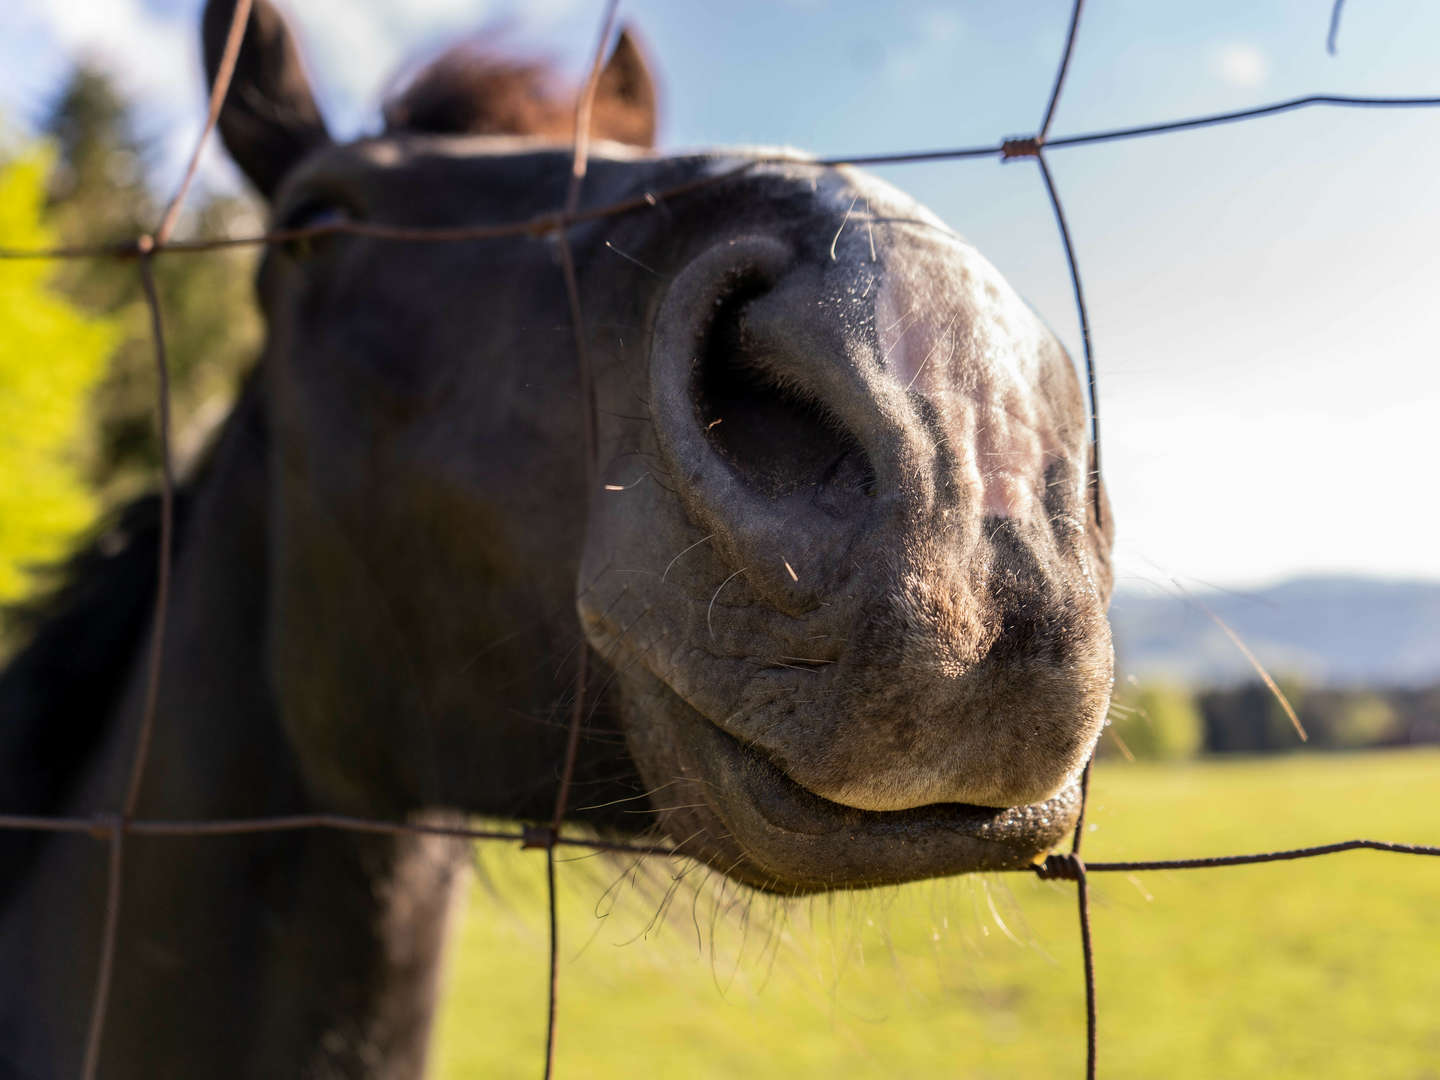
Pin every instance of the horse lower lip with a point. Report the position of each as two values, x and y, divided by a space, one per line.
808 842
791 806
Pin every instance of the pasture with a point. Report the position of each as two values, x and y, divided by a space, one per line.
1323 967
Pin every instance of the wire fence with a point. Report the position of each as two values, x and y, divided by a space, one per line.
113 828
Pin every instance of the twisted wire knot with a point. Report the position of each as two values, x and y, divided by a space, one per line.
107 826
537 836
1060 867
1018 148
545 224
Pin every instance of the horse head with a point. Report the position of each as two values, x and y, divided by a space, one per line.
842 556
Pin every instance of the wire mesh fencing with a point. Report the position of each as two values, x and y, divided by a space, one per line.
113 828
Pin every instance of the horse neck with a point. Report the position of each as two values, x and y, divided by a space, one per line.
236 956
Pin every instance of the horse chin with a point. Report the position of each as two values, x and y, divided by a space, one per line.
729 806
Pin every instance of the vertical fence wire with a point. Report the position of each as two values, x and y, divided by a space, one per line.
1093 480
579 164
95 1030
1082 881
1065 54
146 246
1087 945
167 538
1334 34
113 828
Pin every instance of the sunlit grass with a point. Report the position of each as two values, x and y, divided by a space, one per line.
1319 968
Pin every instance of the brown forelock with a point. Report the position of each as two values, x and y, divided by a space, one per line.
468 90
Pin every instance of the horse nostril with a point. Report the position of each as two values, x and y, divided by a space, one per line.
776 435
760 421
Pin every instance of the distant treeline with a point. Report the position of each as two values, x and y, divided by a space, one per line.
1248 718
1157 721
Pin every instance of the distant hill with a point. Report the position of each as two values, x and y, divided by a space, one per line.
1337 631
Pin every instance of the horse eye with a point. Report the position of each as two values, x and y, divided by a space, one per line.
318 216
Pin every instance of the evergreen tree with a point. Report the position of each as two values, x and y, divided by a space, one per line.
99 194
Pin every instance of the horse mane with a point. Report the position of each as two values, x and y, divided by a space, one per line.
468 90
58 691
471 90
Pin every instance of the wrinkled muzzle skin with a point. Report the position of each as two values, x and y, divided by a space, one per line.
846 563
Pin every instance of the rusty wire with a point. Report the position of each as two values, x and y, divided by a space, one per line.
579 163
146 246
533 836
112 828
546 224
1334 27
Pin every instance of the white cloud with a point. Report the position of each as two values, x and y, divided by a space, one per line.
150 53
154 57
1241 65
931 40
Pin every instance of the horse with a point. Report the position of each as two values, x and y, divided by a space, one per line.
835 545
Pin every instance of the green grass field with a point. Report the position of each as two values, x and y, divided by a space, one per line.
1323 968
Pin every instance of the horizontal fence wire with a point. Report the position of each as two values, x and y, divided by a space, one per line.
101 825
112 828
548 224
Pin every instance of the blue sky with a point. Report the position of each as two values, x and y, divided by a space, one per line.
1263 296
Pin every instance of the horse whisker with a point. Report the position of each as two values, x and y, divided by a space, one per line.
631 258
843 223
711 609
692 547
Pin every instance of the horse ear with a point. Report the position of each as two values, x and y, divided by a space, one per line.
625 96
270 119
